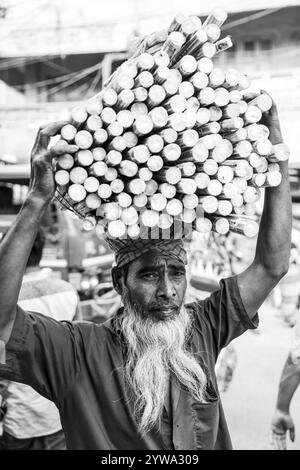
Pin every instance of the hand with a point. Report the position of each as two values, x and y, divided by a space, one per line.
42 184
281 424
271 120
139 45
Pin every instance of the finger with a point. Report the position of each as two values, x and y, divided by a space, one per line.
136 46
158 37
292 434
56 151
266 93
46 132
60 149
274 106
53 129
278 440
278 429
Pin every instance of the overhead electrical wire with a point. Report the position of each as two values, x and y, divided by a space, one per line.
50 81
252 17
17 62
55 66
78 77
23 61
95 81
59 79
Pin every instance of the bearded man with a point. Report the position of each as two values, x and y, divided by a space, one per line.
145 379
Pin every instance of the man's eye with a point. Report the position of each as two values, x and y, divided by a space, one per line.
149 276
178 273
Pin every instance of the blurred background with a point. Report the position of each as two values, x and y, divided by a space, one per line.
56 53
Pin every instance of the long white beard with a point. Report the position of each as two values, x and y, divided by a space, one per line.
155 350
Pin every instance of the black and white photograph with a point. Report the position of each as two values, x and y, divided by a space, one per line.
149 228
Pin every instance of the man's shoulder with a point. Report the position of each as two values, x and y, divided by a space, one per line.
200 309
195 306
196 309
88 328
94 338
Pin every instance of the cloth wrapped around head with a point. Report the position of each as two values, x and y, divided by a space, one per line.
128 250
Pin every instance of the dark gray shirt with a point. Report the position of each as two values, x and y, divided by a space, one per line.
79 367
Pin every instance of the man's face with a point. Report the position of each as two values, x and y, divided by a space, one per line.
157 285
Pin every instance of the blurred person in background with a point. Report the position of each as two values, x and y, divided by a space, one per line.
30 421
282 421
290 287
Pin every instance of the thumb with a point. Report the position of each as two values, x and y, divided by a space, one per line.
292 434
273 111
45 133
266 93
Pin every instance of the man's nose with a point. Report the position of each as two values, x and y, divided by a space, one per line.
165 289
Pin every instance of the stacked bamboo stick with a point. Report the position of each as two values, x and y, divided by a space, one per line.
171 138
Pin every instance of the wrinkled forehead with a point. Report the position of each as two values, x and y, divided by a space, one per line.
155 259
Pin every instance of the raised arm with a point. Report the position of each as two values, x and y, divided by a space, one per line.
274 239
16 246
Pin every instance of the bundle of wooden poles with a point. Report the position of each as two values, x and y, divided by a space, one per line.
172 137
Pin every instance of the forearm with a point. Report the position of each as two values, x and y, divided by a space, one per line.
14 253
289 382
272 254
274 239
273 247
17 245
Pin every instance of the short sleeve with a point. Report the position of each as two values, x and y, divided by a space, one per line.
43 353
225 314
295 346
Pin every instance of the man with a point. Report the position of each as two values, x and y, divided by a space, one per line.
290 378
31 422
145 379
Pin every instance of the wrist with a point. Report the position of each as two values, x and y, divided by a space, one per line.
284 168
283 408
276 137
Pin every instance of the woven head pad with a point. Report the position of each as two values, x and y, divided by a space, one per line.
128 250
168 242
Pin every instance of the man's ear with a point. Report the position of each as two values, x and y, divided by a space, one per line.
116 280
